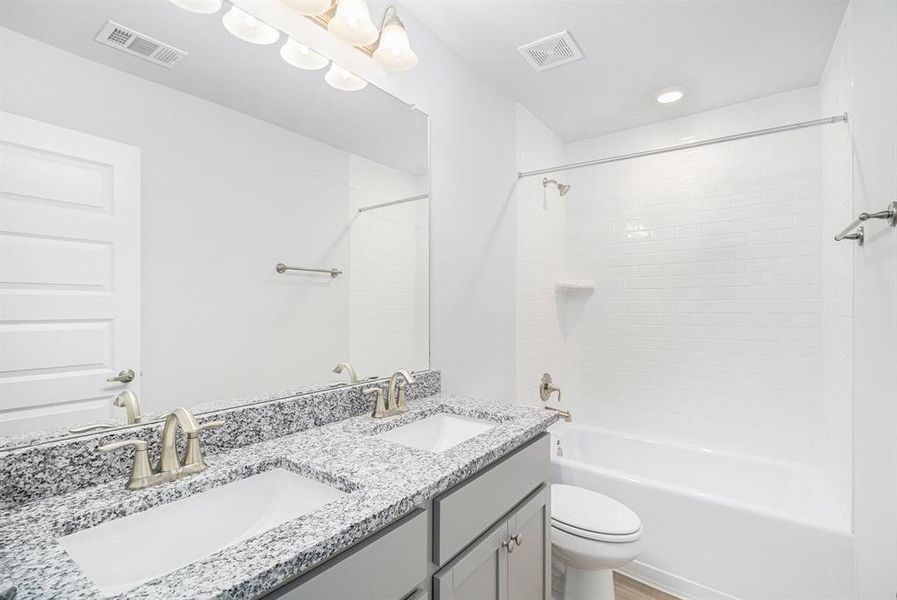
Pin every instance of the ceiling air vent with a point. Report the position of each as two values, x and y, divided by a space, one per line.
552 51
127 40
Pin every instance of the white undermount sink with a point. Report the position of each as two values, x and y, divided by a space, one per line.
121 554
437 432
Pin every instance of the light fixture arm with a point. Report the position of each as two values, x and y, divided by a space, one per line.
383 19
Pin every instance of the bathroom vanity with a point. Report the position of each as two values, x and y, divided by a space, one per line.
487 537
448 500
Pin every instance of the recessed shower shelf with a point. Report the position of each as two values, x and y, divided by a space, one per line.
574 285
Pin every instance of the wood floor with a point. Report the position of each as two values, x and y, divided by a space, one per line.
630 589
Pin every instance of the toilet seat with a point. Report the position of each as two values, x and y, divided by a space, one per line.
590 515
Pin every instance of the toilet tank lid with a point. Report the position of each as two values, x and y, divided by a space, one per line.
590 511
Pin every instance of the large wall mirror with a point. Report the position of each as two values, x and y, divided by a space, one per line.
145 207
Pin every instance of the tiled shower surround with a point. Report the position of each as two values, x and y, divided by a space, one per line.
708 314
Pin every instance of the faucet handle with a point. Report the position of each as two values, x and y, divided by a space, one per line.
210 425
379 406
139 445
141 472
193 462
547 388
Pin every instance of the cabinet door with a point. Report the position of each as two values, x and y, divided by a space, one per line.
480 573
529 574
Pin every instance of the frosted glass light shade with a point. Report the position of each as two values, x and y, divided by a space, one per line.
352 23
248 28
203 7
394 50
301 56
343 80
308 7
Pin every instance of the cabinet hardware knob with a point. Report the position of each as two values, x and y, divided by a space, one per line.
509 545
517 539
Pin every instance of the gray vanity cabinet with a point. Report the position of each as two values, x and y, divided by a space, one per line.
387 566
484 539
510 562
529 565
480 573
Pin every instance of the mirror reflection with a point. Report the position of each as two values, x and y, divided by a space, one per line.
145 207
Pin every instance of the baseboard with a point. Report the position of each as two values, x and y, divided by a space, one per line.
686 589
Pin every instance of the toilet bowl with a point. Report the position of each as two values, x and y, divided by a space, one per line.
591 535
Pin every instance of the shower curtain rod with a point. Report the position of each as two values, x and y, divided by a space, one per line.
727 138
393 202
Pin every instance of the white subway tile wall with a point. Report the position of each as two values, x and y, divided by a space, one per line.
706 322
540 259
389 271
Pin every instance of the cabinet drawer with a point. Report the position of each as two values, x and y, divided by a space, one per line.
465 512
387 566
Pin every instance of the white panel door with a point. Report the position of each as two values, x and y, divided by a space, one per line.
69 274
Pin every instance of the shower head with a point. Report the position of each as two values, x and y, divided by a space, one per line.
563 188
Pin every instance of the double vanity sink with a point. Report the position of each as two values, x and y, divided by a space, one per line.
263 515
200 525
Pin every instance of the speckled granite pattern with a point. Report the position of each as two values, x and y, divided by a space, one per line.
7 587
384 481
41 437
63 466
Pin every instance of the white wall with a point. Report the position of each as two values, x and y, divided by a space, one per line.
389 280
837 272
873 106
473 235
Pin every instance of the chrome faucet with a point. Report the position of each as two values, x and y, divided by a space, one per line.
395 395
170 466
395 391
169 462
128 401
125 399
345 366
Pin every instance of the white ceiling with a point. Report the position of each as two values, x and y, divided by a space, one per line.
250 79
721 51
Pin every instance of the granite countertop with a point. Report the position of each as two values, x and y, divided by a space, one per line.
383 481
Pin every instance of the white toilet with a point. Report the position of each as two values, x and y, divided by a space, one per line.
591 535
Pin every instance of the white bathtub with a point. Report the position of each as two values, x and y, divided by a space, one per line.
716 525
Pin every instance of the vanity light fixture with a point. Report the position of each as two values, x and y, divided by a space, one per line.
394 51
352 23
203 7
350 17
301 56
309 8
248 28
670 95
342 79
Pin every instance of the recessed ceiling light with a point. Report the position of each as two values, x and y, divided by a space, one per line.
668 95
